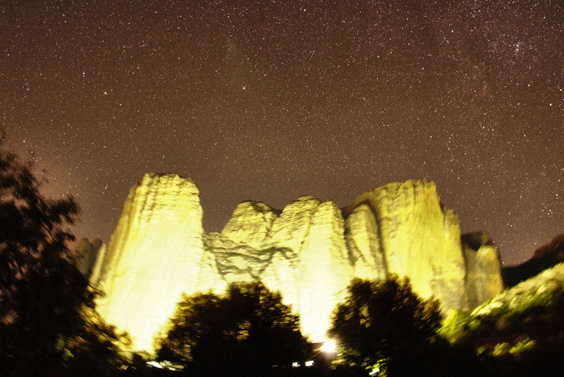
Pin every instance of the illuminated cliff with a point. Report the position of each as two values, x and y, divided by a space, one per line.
154 255
309 252
419 238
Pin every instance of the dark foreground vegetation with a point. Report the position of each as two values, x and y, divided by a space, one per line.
249 331
49 325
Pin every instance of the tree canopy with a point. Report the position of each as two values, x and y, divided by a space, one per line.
247 331
44 299
384 326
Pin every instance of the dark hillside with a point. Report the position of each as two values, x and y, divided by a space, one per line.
544 257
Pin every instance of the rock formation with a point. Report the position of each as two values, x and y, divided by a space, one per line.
419 238
309 252
483 277
87 254
154 255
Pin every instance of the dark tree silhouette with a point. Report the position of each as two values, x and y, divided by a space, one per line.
246 333
43 296
95 350
384 326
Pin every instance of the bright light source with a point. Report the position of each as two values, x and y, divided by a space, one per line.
309 363
329 347
155 364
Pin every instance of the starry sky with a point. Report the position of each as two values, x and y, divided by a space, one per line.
271 100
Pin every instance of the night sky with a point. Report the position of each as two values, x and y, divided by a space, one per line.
271 100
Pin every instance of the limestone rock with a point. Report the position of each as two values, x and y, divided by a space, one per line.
286 237
209 278
291 227
309 252
250 223
154 255
420 239
236 262
88 253
364 246
100 268
324 272
282 275
483 263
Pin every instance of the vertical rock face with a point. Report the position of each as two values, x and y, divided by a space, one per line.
419 239
88 254
309 252
484 277
324 270
286 239
154 255
362 235
250 223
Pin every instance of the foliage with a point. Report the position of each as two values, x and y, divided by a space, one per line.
454 325
248 331
383 326
519 339
44 299
96 349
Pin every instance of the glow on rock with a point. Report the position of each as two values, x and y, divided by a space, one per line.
153 257
309 253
